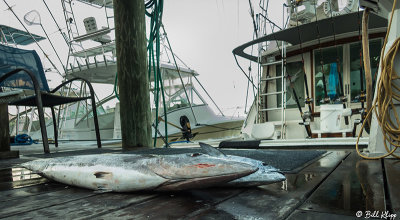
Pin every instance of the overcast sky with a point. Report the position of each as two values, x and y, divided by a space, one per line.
202 33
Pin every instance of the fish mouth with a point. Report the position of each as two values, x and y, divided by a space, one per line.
279 176
201 182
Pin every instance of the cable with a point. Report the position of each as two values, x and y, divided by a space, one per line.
384 103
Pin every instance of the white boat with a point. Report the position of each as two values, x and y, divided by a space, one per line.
318 51
91 56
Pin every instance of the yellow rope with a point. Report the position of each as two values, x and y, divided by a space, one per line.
383 103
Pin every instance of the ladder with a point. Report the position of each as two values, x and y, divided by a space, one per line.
262 110
72 28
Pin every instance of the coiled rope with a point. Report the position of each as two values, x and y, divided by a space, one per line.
387 92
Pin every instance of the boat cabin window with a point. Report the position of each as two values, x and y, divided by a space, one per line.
295 77
179 100
375 46
326 64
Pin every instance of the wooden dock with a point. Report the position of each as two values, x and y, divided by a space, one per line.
339 185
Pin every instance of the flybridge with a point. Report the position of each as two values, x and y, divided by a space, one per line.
309 32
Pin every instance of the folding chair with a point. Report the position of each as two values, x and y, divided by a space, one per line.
23 69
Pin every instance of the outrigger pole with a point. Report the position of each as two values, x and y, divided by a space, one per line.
326 98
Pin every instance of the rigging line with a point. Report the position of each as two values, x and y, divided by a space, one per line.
58 26
179 73
54 66
248 84
51 43
176 56
270 21
276 41
308 101
208 95
252 18
234 55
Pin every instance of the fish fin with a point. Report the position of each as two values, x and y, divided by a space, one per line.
210 150
103 175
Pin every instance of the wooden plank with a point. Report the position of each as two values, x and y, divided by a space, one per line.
22 183
276 201
356 185
309 215
41 201
21 193
392 170
174 205
10 163
92 207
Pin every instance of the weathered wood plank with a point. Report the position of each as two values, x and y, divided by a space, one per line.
88 207
309 215
22 183
174 205
46 200
356 185
10 163
21 193
276 201
392 170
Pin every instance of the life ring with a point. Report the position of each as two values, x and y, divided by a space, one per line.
347 9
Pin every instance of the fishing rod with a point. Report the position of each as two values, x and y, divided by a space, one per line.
308 100
303 116
342 98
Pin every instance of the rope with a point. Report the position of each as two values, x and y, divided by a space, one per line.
384 103
154 10
367 64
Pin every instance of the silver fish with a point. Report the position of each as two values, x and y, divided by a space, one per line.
264 175
133 172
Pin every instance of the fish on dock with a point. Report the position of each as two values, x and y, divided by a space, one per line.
134 172
265 174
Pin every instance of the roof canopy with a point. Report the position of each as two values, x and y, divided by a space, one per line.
347 23
17 36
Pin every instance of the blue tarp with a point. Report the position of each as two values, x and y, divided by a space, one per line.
12 58
333 81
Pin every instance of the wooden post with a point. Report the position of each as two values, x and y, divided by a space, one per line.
130 37
5 151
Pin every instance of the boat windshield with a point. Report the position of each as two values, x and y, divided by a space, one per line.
175 95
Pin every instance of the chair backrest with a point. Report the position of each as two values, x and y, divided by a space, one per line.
12 58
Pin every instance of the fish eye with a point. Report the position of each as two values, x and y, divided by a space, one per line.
195 154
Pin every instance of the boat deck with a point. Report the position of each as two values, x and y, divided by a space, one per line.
339 184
